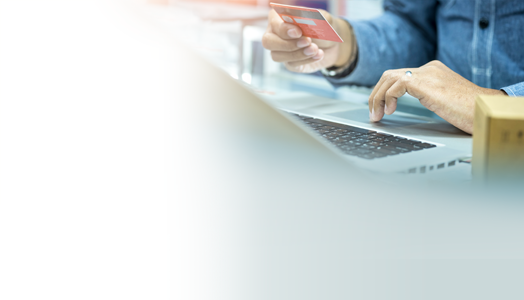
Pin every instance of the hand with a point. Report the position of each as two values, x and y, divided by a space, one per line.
302 54
438 88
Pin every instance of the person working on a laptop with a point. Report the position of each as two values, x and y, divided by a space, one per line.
443 52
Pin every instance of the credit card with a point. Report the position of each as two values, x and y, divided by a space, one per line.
310 20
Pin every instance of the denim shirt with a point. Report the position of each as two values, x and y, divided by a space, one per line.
482 40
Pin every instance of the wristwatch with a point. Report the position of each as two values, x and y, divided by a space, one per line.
341 72
332 71
346 69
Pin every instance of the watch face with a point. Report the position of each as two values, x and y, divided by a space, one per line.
333 71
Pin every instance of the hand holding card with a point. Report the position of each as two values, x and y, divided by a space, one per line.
310 20
303 47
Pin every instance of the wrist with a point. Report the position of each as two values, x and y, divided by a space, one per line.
346 50
493 92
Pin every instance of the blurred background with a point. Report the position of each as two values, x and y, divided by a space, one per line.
229 32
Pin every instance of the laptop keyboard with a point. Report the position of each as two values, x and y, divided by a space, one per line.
364 143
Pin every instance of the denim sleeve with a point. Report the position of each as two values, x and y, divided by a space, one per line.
403 37
515 90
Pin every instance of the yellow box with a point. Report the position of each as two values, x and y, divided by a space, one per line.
498 139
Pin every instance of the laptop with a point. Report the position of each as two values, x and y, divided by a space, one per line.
401 143
409 141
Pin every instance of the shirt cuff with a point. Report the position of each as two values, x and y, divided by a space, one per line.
514 90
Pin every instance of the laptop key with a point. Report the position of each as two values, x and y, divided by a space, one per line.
391 148
367 137
398 144
426 145
410 142
324 128
375 143
377 154
399 138
403 150
369 147
395 148
396 139
415 141
387 152
383 134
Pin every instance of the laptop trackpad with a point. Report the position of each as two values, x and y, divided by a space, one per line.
394 120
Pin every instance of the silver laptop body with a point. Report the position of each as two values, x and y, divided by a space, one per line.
451 144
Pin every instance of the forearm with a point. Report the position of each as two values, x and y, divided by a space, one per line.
347 50
384 43
404 36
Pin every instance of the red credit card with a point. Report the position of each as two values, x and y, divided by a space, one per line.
310 20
